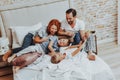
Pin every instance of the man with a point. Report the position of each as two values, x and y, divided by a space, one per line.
73 27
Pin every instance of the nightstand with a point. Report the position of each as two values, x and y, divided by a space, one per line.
5 67
4 42
4 45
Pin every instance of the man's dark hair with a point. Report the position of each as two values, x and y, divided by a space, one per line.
73 11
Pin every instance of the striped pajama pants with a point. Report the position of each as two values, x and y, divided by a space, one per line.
90 44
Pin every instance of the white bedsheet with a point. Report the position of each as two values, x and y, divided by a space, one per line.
77 68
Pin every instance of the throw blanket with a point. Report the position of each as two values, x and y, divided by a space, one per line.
76 68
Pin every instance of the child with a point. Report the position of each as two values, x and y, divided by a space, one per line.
56 58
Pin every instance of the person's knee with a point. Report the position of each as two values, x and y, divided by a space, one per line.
30 35
77 38
77 41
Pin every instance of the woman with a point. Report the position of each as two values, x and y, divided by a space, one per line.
38 36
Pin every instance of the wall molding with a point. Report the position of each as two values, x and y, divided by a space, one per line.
118 31
27 4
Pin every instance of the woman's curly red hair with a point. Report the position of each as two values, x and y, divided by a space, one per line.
53 22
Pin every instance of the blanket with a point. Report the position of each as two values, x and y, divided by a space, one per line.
76 68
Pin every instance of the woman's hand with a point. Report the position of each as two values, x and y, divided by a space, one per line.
50 47
70 34
37 39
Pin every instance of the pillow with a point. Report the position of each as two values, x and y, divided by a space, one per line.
25 59
21 31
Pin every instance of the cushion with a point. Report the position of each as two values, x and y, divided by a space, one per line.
25 59
19 32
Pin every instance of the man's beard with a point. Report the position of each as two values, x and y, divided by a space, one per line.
70 22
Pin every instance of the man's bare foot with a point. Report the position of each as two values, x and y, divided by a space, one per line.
11 58
91 56
6 55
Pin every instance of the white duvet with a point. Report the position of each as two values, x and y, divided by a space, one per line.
76 68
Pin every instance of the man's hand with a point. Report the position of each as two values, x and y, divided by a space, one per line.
70 34
37 39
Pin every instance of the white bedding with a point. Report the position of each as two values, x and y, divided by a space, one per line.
77 68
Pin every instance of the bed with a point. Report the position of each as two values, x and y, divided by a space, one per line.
24 17
77 68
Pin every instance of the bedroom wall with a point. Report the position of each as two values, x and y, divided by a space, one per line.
99 15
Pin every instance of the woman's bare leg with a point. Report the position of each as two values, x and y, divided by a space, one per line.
6 55
11 58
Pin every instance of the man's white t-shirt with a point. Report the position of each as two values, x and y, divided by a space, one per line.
79 25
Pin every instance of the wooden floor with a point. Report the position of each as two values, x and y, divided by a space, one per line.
109 52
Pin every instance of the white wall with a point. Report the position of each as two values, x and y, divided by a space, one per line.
33 15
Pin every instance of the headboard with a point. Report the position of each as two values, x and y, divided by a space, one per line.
30 13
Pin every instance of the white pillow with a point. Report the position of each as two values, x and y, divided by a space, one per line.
21 31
